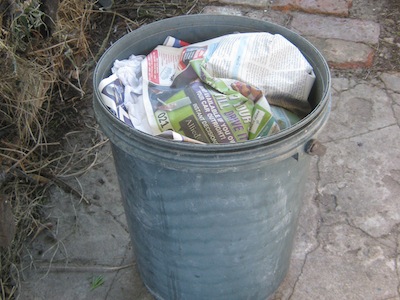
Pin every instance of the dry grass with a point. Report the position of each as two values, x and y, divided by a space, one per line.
36 69
36 66
42 81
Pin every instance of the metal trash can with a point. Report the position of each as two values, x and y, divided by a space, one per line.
212 221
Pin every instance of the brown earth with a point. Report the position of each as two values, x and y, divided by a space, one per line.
387 14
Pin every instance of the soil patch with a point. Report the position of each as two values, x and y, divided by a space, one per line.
387 14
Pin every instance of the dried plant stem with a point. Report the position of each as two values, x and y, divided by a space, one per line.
76 268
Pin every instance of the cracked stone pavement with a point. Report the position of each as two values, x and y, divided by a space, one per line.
347 246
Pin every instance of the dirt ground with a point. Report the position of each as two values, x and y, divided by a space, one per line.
387 14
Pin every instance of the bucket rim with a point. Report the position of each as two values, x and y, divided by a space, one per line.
323 107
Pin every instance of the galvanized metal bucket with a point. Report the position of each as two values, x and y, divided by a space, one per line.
212 221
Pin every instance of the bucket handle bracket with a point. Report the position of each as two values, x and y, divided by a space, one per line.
314 147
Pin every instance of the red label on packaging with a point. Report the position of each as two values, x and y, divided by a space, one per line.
153 67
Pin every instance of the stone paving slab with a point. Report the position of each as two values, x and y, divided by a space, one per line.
351 242
338 7
342 54
354 30
223 10
391 82
276 17
364 183
74 223
371 104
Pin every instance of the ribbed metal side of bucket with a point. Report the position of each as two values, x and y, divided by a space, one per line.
209 235
212 221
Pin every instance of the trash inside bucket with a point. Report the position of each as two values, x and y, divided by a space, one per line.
212 221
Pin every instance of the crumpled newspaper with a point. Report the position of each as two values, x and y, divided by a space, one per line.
248 65
122 92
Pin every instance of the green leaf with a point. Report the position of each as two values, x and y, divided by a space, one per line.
96 282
